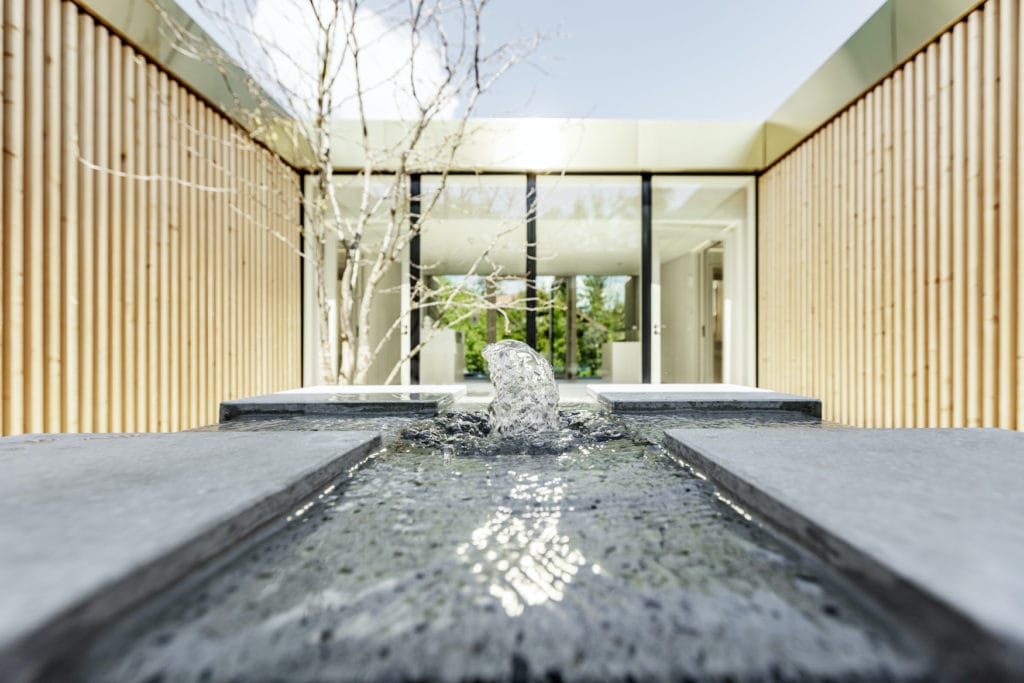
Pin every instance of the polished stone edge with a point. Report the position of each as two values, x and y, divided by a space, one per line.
967 650
323 405
28 657
647 403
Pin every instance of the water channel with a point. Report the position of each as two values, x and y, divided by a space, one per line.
606 560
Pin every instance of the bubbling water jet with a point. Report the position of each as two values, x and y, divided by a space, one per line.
525 394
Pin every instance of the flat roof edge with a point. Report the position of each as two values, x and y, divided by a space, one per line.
551 145
141 25
893 34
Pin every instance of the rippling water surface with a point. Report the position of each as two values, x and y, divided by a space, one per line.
604 562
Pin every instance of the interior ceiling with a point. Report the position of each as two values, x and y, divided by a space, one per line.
685 218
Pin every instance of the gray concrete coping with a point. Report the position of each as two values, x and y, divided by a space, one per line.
931 521
652 398
94 524
346 400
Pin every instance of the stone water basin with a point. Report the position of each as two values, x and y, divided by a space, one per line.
604 562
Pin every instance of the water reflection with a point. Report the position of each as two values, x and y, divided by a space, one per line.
519 551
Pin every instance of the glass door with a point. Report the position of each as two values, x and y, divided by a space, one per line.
702 280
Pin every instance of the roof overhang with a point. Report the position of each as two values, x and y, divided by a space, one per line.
891 36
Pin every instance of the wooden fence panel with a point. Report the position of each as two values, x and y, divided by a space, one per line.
126 229
919 255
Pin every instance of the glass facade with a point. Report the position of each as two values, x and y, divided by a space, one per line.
560 260
473 265
702 240
588 263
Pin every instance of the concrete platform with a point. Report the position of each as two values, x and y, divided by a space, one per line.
91 525
649 398
930 520
346 400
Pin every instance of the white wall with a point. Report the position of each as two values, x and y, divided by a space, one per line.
386 308
681 319
310 335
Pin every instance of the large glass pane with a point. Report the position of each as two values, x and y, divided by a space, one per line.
588 260
386 306
702 279
473 256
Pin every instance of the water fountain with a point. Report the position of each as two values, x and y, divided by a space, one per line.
525 393
603 560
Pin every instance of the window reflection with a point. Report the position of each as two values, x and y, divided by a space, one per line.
588 259
473 258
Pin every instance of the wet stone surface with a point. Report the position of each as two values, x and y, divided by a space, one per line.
607 562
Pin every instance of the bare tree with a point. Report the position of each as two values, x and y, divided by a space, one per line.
319 61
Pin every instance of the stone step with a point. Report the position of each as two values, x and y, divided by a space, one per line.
931 521
94 524
652 398
426 400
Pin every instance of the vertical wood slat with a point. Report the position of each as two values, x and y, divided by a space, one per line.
4 309
101 227
155 397
143 394
932 167
914 302
887 377
92 195
13 384
53 292
193 402
944 271
972 307
36 229
86 221
958 360
1008 228
128 328
990 218
115 361
163 250
896 274
861 221
173 275
71 333
1012 264
921 186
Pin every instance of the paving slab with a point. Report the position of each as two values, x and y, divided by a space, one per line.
91 525
929 520
648 398
346 400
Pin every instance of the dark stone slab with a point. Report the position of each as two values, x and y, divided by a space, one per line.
929 520
342 401
606 563
696 397
91 525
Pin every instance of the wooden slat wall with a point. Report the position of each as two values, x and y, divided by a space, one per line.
891 263
137 295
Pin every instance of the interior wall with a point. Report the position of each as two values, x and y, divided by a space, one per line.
386 309
148 251
891 262
681 319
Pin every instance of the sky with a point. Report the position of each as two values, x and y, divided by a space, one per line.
659 59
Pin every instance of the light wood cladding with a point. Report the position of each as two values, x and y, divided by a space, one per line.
149 263
891 262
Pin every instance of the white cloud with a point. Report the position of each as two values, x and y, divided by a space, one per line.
290 57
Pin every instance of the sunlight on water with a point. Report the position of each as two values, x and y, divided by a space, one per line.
522 555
